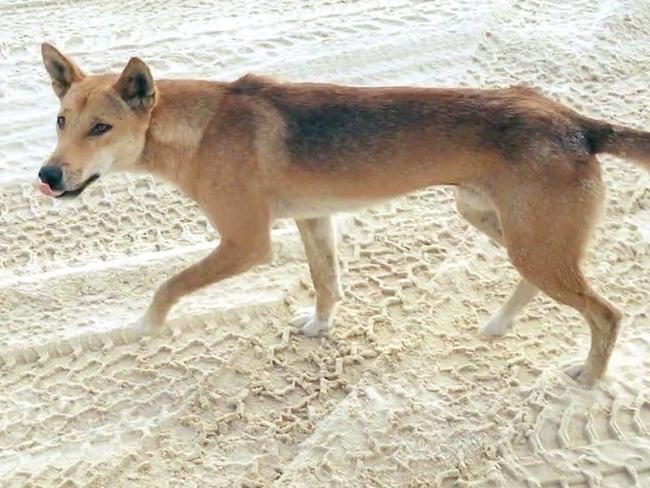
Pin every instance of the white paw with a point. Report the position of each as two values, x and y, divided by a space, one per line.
301 317
309 325
580 373
496 326
315 327
145 327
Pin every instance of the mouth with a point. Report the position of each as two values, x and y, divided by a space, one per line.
47 190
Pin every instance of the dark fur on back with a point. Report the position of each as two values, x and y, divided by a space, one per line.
328 123
336 124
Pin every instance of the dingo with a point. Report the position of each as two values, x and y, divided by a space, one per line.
255 150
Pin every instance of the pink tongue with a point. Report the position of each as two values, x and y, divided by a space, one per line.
45 189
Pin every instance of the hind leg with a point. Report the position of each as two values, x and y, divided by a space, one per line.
478 211
546 234
568 286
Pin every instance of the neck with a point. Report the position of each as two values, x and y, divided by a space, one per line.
178 121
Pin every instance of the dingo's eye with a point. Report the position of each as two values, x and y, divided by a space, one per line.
99 129
60 121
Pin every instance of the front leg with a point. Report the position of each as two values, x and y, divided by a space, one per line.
228 259
318 237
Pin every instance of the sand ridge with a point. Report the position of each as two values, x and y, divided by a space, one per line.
403 392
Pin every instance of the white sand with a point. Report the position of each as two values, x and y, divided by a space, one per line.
403 392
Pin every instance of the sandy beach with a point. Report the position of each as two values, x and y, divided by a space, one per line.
403 392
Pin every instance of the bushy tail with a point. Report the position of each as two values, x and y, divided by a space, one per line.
620 141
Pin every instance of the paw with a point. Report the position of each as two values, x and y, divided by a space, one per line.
309 325
301 317
145 326
580 373
496 326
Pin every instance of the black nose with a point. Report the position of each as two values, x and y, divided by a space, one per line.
52 175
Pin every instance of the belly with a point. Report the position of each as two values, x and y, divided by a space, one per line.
315 207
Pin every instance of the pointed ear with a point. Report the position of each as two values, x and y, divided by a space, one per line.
62 71
136 86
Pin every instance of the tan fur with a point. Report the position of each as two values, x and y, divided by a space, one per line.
254 150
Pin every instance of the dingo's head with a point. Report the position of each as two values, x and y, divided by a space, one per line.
101 124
